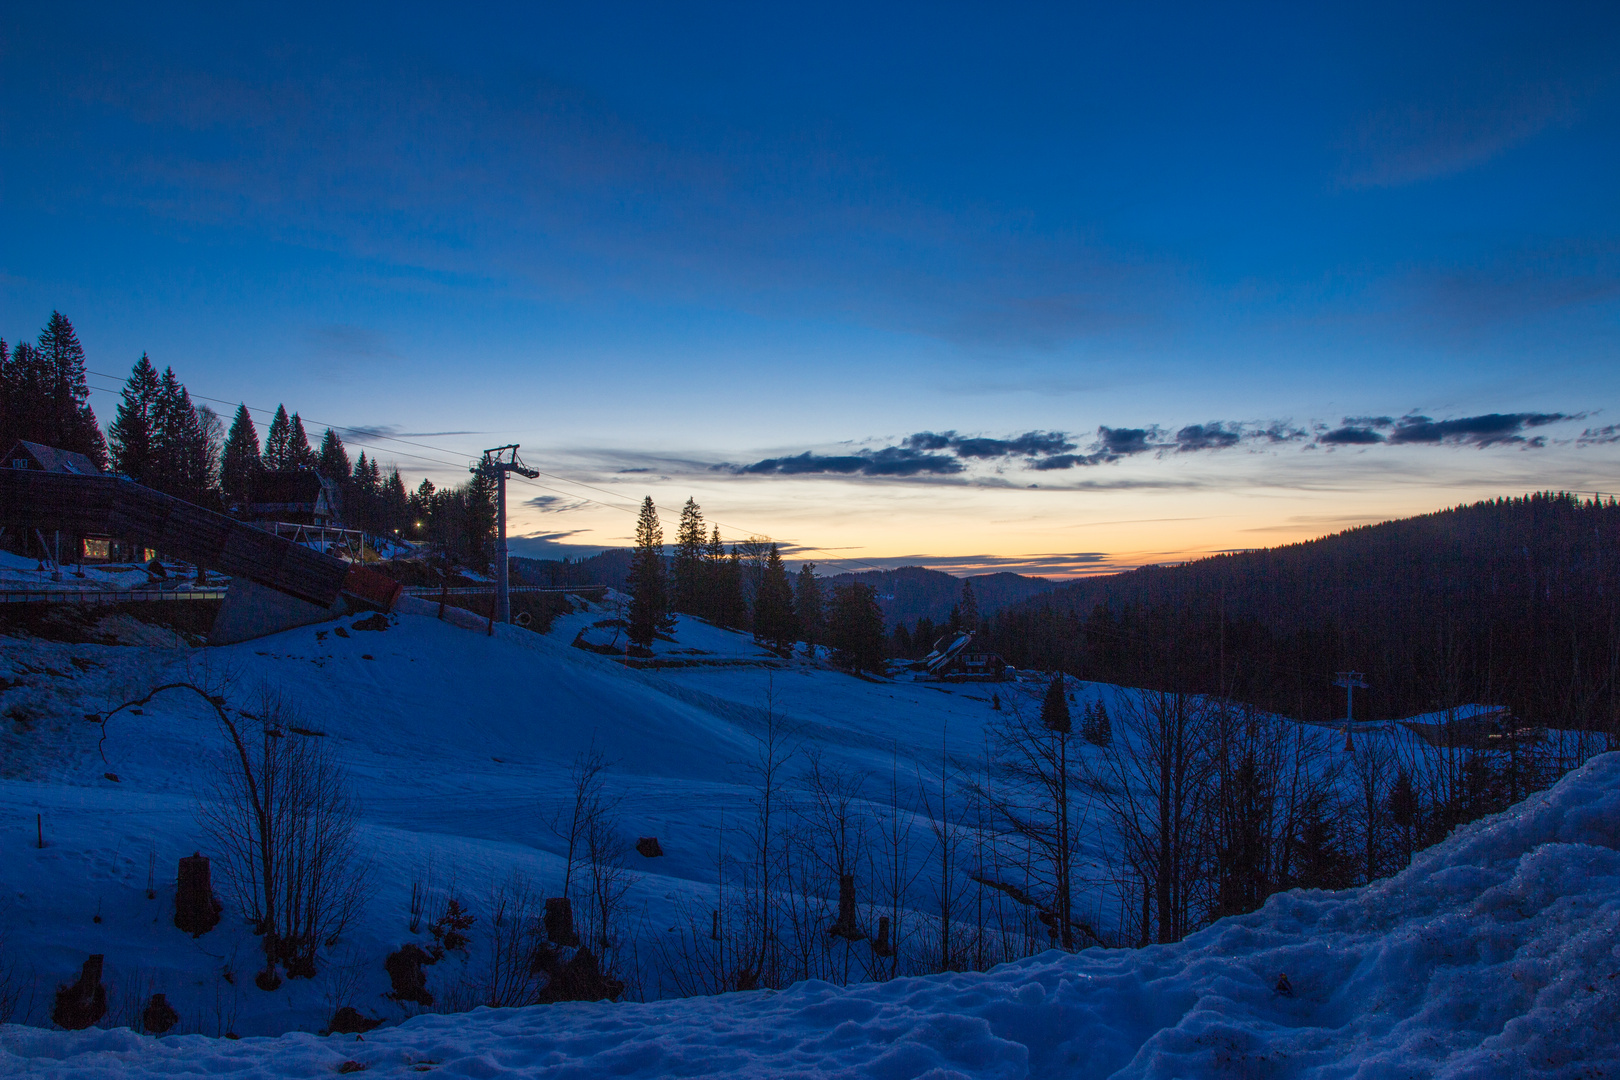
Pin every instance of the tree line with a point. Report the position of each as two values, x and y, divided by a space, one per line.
746 587
1511 602
161 438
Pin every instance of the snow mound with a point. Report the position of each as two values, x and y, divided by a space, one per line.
1493 955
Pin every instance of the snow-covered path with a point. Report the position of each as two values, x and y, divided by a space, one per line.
1494 955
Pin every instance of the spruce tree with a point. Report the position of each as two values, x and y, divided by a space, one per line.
773 605
132 426
649 604
8 399
968 608
1055 710
690 571
65 419
807 606
855 627
299 454
278 441
240 462
333 460
179 443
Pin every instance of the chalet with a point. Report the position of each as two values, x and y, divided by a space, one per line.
293 496
37 457
41 458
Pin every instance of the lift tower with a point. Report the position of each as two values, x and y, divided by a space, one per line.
496 461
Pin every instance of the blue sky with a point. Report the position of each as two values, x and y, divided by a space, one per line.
1248 275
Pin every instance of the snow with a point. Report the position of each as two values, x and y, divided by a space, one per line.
1493 954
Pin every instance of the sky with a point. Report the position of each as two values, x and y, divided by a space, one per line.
1058 289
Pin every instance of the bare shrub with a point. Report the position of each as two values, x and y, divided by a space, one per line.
282 818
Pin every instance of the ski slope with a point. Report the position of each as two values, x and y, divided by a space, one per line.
1493 955
1472 962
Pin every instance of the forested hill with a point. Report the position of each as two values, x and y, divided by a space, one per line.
1511 601
916 592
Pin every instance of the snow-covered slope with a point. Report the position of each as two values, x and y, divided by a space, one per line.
1493 955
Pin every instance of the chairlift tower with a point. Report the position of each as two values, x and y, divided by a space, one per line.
496 460
1350 680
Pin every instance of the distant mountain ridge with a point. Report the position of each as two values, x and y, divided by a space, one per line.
910 593
906 594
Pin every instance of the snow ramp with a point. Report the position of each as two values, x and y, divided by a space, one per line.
1493 955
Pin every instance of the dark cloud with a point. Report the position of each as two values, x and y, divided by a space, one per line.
889 461
554 504
1121 442
1215 436
1350 435
364 432
1029 444
1491 429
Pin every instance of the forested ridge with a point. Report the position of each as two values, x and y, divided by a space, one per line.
1509 602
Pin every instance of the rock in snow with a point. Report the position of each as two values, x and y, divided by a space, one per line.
1493 955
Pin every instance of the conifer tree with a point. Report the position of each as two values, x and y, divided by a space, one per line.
57 407
299 454
333 460
278 441
773 605
855 627
132 426
807 606
1095 727
8 399
691 575
968 608
649 604
724 584
1055 710
179 443
240 462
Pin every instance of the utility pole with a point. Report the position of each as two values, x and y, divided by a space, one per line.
1349 680
495 460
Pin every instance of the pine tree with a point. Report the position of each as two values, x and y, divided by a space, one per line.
333 460
278 448
968 608
807 606
179 444
855 627
1055 710
62 417
132 426
649 603
240 462
773 605
395 501
8 399
1094 725
299 454
690 571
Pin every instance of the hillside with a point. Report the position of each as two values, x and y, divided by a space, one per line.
1513 601
1490 956
916 592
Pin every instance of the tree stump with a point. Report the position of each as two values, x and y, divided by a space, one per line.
196 911
159 1016
82 1004
560 921
848 925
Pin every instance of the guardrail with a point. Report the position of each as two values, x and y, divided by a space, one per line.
107 596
